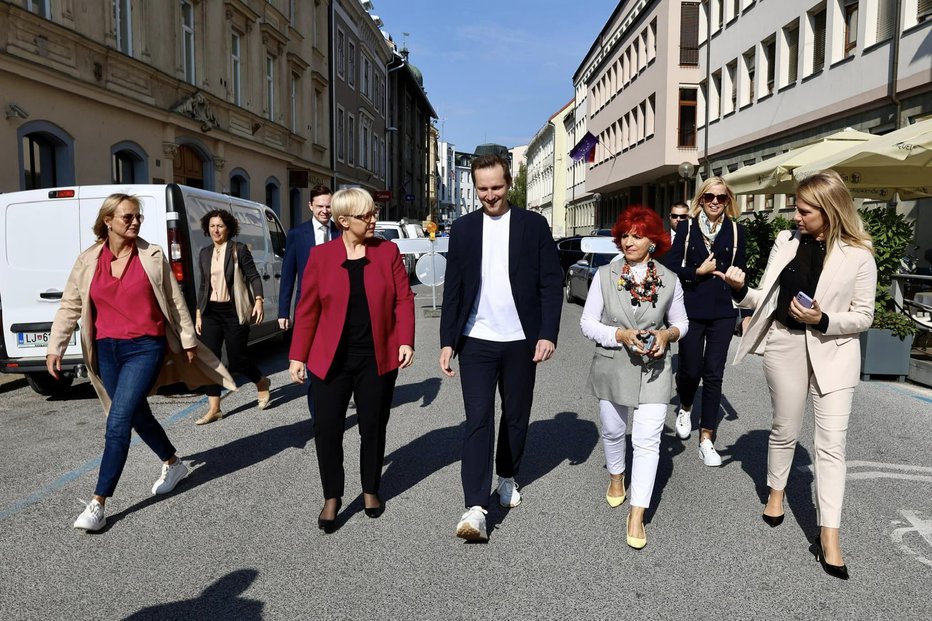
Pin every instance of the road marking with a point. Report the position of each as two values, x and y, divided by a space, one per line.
902 472
913 524
58 484
911 393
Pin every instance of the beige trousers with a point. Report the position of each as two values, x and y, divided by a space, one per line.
791 381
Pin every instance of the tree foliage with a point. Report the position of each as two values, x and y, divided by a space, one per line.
517 195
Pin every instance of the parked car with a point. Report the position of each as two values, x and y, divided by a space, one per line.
44 231
569 250
390 229
579 275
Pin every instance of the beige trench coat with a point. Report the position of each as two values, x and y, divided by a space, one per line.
179 330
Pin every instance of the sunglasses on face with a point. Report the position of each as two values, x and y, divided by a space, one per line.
709 197
679 216
368 217
128 218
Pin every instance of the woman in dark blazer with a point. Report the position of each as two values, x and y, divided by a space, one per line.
216 320
710 240
353 330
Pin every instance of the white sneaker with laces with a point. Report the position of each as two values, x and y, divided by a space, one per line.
710 456
171 475
684 425
471 526
92 518
508 495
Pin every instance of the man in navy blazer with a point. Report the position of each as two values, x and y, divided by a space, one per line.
298 246
502 299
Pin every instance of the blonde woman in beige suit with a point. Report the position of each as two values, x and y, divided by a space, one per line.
816 295
136 334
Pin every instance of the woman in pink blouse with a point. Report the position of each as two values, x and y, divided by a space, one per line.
136 335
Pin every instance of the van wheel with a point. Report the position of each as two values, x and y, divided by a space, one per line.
48 386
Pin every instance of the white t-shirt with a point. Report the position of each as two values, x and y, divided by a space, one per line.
494 316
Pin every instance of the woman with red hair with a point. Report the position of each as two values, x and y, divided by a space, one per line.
634 310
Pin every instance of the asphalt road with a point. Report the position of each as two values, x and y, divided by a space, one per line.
238 538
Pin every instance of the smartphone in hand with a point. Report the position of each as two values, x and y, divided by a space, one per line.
804 300
647 340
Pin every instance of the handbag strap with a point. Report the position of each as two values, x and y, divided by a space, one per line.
734 241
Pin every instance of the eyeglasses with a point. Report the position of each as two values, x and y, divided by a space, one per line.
128 218
709 197
679 216
368 217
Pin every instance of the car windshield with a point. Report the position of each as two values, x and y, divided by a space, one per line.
598 260
387 233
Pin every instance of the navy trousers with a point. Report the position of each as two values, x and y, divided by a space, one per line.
485 365
703 354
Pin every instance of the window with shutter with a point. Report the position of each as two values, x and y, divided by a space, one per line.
770 50
818 46
885 12
792 52
923 10
851 26
689 33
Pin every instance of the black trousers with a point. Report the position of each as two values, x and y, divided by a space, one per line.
703 354
357 376
485 365
219 325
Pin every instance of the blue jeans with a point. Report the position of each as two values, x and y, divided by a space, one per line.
128 369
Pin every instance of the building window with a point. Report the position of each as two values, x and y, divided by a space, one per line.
769 49
747 92
270 87
687 129
295 80
364 146
236 78
46 156
851 26
715 98
39 7
923 10
123 25
731 73
351 68
187 40
351 140
273 196
689 33
791 35
239 184
128 163
317 22
341 58
318 117
366 74
885 14
719 14
341 134
818 40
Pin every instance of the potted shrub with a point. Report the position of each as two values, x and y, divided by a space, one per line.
886 346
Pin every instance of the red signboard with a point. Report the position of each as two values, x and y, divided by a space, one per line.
382 196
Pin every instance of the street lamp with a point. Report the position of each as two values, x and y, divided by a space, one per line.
686 170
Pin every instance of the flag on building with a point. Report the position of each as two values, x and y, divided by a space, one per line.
585 148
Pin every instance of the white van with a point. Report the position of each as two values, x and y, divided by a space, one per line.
44 231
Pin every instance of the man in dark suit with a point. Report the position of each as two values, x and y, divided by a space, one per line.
502 301
298 244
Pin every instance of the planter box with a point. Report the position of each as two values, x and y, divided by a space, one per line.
882 353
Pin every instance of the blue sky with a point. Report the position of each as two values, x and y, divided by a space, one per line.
495 71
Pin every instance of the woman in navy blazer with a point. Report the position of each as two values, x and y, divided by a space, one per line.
707 242
353 330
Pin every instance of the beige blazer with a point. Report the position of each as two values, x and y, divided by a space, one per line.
845 293
179 330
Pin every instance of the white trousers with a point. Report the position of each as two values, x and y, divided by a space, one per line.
646 427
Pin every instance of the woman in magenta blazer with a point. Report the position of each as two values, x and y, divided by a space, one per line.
353 330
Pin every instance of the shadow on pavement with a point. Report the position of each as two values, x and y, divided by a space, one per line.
410 464
425 391
670 447
220 601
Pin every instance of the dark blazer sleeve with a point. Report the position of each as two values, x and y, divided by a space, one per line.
741 256
289 274
203 287
452 288
248 266
550 284
673 259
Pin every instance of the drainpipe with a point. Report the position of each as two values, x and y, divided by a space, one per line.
895 66
708 89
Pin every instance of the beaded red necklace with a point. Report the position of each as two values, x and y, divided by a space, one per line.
644 291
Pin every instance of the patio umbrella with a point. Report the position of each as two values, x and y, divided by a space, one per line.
775 176
898 162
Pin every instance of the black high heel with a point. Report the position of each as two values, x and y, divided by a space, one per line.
836 571
375 512
773 520
328 526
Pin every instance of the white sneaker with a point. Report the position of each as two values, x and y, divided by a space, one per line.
471 526
92 518
710 456
684 425
508 495
171 475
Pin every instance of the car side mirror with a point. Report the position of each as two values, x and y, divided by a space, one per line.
583 263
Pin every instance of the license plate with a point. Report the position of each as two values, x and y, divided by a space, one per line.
38 339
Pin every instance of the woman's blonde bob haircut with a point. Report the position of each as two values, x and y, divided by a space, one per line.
731 209
351 202
109 208
826 192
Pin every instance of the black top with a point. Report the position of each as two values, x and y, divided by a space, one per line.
357 331
801 274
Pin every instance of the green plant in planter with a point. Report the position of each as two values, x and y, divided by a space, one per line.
890 233
760 233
